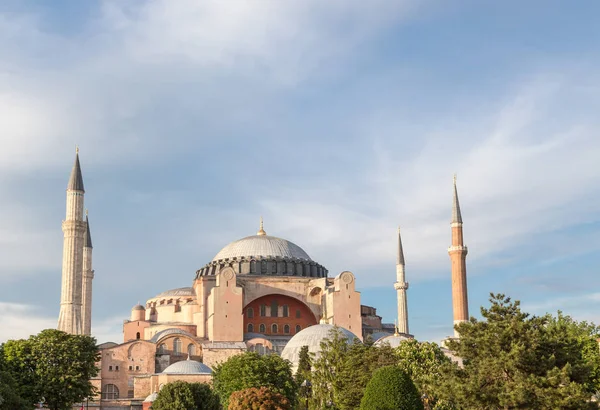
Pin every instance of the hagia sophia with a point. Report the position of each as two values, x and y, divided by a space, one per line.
260 293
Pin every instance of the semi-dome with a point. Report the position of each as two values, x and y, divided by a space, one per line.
262 246
187 291
312 337
188 367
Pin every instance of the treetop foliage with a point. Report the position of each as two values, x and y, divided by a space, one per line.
391 388
180 395
261 398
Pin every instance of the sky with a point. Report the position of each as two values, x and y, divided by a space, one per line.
336 121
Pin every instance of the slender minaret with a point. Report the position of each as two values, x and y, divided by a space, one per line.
88 275
458 255
401 285
69 319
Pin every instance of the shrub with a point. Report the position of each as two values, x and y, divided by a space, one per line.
181 395
391 389
258 399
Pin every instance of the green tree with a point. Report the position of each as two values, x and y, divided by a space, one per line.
9 397
327 368
304 372
426 365
359 363
182 395
255 398
390 388
54 365
512 360
252 370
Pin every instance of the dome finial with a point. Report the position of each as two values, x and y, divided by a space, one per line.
396 328
261 231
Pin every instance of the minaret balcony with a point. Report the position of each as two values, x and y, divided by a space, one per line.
458 248
401 285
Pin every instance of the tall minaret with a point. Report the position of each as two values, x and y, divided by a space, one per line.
458 255
74 229
401 285
88 275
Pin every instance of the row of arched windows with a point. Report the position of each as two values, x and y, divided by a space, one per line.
262 328
177 348
274 311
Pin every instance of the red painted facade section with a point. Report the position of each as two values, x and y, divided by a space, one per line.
259 312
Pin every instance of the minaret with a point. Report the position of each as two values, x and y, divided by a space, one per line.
88 275
401 285
74 229
458 255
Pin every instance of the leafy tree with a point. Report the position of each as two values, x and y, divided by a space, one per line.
9 398
359 363
54 365
327 368
512 360
426 364
180 395
304 372
252 370
255 398
390 388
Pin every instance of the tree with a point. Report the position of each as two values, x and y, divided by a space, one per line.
180 395
9 397
359 363
54 365
252 370
390 388
426 365
261 398
514 360
304 372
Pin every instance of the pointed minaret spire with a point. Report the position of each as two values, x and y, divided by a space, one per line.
401 286
76 179
261 231
87 243
458 255
456 216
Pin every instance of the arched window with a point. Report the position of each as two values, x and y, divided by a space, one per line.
286 311
192 349
162 349
250 328
137 335
252 266
298 328
177 346
262 328
110 392
286 329
250 312
263 310
274 308
274 328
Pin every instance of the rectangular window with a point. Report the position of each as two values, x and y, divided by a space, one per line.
110 368
116 368
298 314
130 367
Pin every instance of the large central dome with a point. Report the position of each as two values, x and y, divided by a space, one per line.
261 245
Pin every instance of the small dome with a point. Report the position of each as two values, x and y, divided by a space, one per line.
378 335
264 246
151 398
188 367
138 307
392 340
312 337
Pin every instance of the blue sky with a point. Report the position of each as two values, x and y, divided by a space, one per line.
336 121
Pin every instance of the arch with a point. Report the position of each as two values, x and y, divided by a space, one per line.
280 309
191 349
110 392
177 346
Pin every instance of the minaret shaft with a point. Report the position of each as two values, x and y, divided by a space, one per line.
73 227
458 255
401 286
86 291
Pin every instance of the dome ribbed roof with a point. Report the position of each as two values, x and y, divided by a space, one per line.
312 337
262 245
188 367
392 340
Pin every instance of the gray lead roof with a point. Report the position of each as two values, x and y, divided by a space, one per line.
76 179
88 237
456 216
400 256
